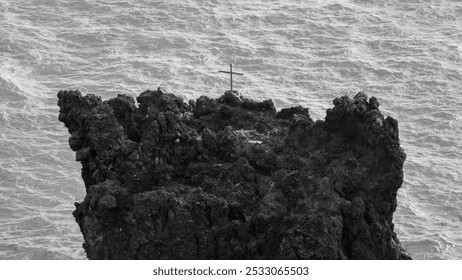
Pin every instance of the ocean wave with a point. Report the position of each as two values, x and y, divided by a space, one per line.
296 52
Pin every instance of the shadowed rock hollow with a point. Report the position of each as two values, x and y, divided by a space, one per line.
232 178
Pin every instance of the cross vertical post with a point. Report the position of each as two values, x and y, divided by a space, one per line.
231 73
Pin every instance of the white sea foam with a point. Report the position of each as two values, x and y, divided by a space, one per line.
406 53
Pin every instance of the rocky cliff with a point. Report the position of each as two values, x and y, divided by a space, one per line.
232 178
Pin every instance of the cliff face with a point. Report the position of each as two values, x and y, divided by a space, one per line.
231 178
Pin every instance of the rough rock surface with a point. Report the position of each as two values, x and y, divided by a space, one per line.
231 178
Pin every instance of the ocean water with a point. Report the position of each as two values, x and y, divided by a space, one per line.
407 53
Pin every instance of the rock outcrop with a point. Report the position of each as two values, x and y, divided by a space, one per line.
232 178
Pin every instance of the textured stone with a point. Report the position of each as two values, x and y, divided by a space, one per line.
231 178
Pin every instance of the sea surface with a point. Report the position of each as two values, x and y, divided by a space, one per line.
407 53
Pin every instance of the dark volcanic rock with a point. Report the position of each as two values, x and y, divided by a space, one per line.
231 178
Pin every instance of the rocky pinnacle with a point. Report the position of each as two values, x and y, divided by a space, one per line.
232 178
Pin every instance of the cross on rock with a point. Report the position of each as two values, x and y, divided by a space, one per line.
231 73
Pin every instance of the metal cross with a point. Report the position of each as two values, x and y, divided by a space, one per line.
231 74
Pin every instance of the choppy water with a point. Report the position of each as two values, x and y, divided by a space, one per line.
408 53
